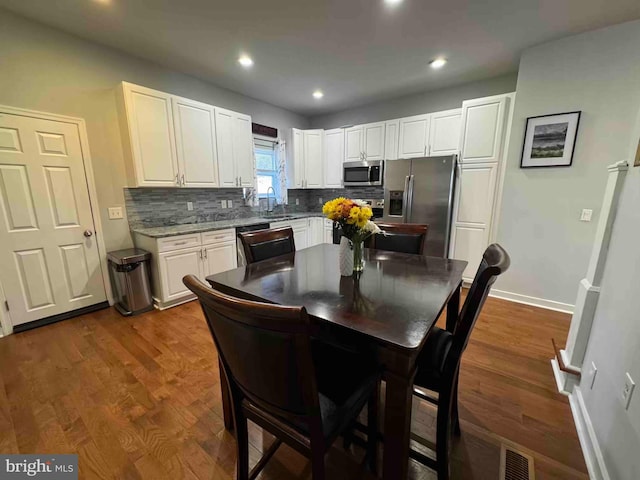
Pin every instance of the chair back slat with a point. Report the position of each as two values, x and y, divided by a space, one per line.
495 261
264 348
263 244
400 237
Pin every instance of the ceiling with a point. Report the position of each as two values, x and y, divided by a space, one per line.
356 51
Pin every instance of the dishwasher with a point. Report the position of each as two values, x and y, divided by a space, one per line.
248 228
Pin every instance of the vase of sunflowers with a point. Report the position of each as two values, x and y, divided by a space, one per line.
354 218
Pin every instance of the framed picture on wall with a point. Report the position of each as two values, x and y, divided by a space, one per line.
549 140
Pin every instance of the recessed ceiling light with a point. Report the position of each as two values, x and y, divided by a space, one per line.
438 62
318 94
245 61
392 2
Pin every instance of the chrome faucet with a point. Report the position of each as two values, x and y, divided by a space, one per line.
275 201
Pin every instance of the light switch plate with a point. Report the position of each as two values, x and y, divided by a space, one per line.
190 206
627 391
297 201
586 215
115 213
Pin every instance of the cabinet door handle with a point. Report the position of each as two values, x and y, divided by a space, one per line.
183 179
177 180
200 254
240 182
205 253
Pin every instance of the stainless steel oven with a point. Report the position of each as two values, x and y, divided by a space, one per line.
365 173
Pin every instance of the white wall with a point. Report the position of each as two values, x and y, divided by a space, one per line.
48 70
614 344
597 72
425 102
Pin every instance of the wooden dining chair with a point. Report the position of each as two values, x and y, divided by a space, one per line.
400 237
268 357
439 362
263 244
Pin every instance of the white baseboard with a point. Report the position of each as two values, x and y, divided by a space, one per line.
587 435
533 301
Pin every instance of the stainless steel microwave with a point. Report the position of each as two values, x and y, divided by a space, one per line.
365 173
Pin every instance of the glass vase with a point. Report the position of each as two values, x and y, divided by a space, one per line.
358 260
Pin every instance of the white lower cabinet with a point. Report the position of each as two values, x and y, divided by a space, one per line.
307 232
173 267
173 258
327 230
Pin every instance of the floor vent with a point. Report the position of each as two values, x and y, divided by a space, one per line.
515 465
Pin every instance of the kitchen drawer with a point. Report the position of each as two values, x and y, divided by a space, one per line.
286 223
218 236
181 241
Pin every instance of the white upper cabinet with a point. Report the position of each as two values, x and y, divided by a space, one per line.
333 155
414 138
235 149
353 144
391 136
483 122
364 142
194 124
307 159
313 158
444 133
149 129
373 141
243 155
177 142
297 178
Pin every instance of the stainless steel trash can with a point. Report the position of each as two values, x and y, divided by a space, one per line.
129 272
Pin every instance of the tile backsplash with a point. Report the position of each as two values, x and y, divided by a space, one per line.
153 207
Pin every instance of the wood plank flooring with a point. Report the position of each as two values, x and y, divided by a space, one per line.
139 398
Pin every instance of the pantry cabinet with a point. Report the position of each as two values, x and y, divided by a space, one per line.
482 148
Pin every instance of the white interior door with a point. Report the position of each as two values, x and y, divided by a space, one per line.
48 265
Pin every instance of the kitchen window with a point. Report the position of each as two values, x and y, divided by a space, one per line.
266 168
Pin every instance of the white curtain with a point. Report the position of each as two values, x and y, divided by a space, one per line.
281 161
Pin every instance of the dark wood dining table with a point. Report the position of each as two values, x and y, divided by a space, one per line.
388 310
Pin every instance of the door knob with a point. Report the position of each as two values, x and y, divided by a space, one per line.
88 233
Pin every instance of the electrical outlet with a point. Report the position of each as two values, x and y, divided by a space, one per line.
223 204
297 201
627 391
115 213
190 206
320 200
229 203
586 215
593 371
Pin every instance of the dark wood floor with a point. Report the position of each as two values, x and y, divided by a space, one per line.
139 398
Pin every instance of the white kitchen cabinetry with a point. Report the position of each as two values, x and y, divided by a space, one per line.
195 131
148 129
306 169
365 142
391 137
177 142
414 136
316 231
235 148
333 157
444 133
482 145
483 122
327 230
190 254
307 232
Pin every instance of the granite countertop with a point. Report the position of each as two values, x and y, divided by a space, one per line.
172 230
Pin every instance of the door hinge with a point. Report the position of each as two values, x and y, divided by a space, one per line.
6 305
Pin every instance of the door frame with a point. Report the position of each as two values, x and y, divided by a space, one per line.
5 316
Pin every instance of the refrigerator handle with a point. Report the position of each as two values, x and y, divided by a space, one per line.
405 200
410 199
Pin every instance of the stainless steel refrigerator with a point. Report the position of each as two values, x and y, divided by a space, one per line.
420 190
